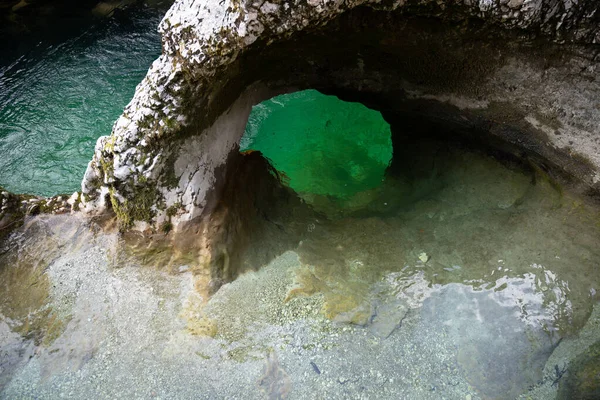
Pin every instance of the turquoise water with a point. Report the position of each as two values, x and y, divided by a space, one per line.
56 100
325 147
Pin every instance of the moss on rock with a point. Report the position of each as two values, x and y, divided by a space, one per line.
141 206
423 55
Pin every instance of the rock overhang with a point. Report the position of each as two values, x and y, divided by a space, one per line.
524 71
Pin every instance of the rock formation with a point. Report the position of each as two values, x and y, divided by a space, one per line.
519 75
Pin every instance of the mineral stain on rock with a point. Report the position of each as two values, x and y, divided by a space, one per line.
275 382
480 311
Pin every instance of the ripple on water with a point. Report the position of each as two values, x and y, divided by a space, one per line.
479 315
56 101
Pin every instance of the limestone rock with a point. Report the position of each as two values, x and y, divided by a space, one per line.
388 317
15 207
523 79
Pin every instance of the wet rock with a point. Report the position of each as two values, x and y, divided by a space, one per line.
14 353
15 207
500 353
360 315
388 317
12 211
275 382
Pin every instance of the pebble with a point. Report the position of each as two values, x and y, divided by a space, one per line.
184 268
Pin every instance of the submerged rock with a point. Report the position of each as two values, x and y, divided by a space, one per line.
15 207
9 211
388 317
275 382
500 350
582 379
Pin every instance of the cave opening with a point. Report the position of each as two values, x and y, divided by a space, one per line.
443 256
332 153
439 199
462 226
350 156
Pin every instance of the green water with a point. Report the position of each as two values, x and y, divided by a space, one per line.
56 100
324 146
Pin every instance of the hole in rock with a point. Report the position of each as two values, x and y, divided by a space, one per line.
443 208
448 239
388 248
462 270
331 152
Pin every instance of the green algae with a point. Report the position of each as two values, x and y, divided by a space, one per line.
24 294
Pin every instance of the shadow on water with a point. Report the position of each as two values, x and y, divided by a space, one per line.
467 279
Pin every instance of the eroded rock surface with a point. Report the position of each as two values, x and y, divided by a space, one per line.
15 207
524 71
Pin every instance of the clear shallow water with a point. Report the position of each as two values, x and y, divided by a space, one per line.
503 300
459 277
473 280
55 101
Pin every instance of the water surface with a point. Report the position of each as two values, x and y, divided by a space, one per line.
327 150
457 276
57 99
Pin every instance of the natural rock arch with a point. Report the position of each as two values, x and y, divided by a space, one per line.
519 75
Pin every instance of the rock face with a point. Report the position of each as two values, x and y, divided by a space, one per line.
522 72
583 378
516 75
